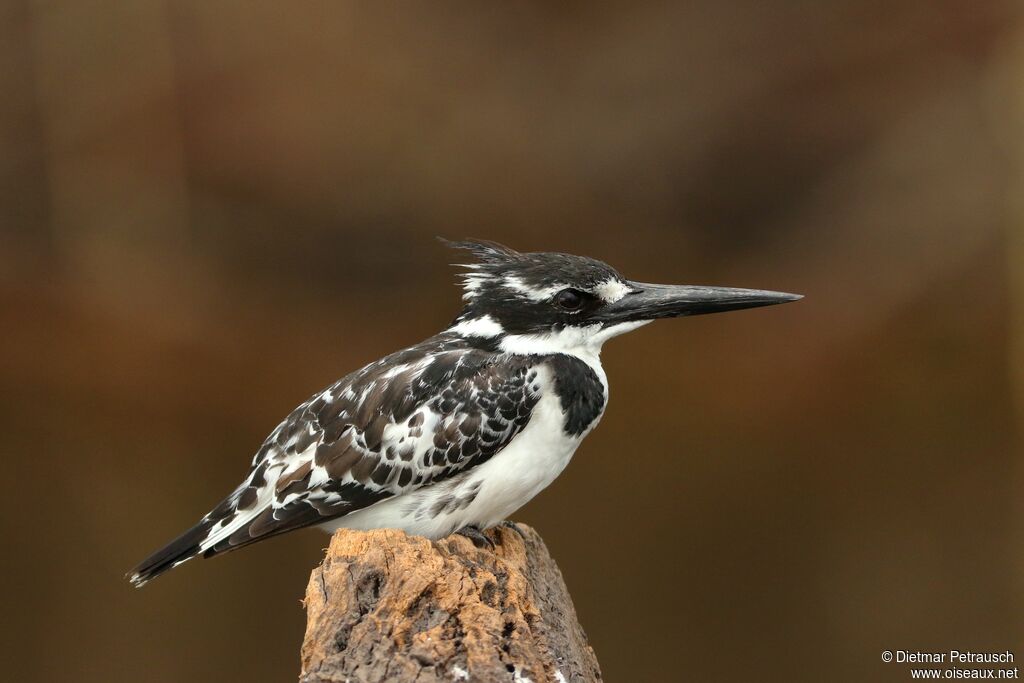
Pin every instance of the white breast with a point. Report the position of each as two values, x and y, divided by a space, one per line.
502 485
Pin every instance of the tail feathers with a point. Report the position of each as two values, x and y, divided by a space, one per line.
223 530
180 550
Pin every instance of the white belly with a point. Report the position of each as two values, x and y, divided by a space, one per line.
502 485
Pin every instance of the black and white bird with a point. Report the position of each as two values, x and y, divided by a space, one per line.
455 433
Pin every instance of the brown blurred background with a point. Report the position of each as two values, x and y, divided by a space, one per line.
210 210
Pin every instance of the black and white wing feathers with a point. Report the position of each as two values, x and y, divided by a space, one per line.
409 420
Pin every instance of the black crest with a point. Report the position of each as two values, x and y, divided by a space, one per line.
486 251
519 289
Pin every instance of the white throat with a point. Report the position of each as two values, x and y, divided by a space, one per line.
584 342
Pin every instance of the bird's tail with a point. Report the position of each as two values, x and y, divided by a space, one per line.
180 550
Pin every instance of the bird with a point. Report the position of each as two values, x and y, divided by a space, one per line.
455 433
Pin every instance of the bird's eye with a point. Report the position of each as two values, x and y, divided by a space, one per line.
569 299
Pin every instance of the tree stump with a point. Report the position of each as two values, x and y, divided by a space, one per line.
385 606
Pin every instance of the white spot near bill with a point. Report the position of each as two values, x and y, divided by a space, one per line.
611 290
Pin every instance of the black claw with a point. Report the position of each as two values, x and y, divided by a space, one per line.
509 524
473 533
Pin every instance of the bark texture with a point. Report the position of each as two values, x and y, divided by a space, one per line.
384 606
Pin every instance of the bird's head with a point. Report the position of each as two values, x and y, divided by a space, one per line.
551 302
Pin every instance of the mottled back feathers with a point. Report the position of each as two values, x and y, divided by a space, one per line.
414 418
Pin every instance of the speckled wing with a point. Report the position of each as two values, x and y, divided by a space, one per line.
404 422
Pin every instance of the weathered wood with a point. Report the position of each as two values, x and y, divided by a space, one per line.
385 606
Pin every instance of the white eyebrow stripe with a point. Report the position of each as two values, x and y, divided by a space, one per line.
516 285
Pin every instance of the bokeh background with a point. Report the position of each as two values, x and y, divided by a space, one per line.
210 210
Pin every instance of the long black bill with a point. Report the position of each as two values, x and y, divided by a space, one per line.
648 302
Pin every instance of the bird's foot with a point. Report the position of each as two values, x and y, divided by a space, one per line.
479 538
509 524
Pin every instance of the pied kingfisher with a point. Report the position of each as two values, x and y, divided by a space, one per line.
455 433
